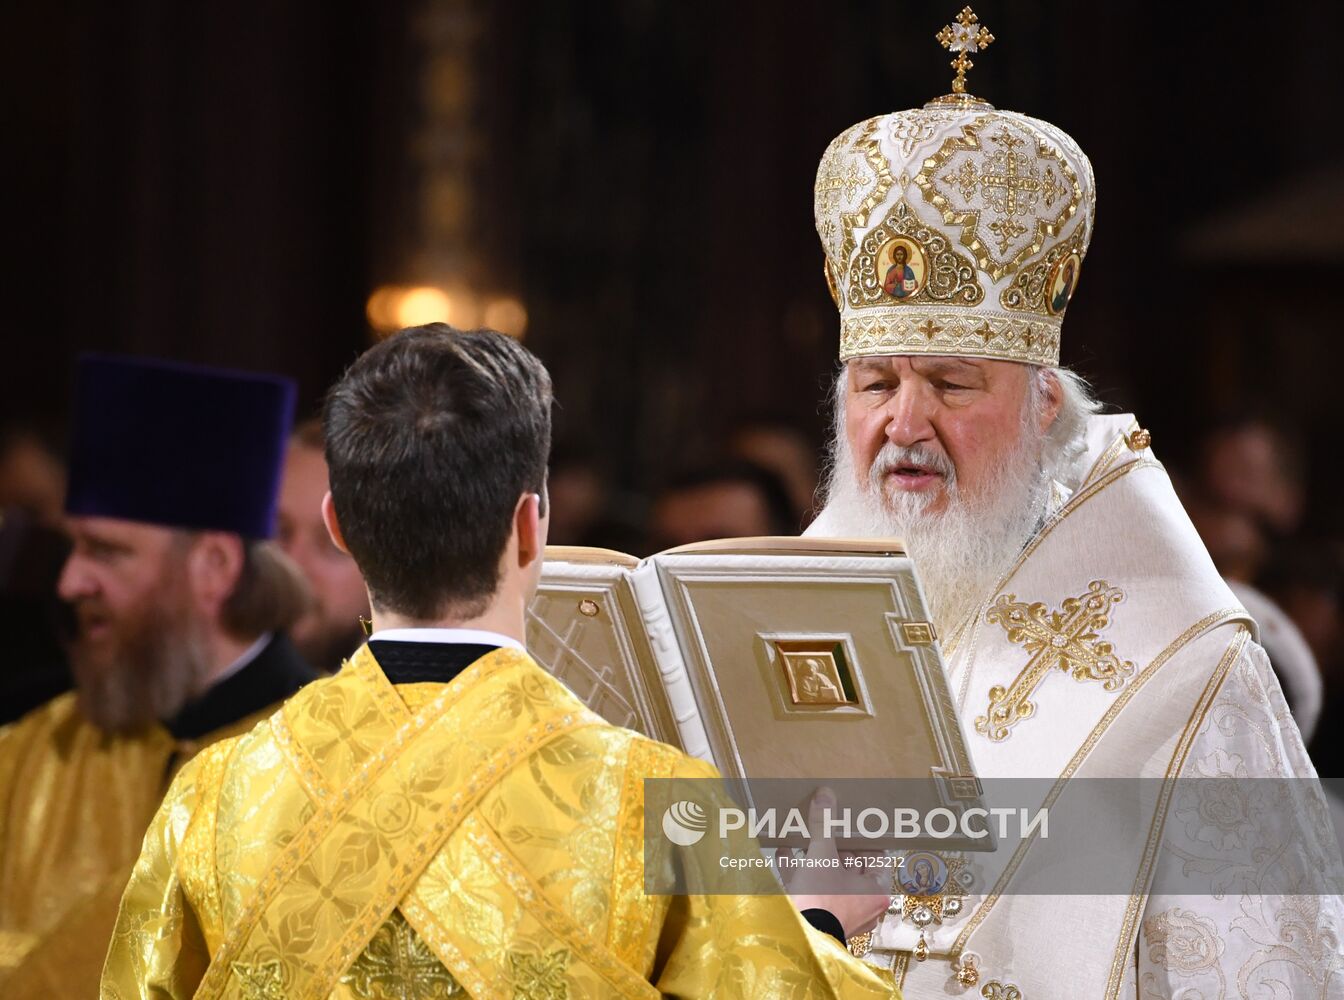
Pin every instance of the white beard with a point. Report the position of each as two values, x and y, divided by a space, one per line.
959 554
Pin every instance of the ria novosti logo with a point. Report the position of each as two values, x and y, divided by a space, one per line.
684 823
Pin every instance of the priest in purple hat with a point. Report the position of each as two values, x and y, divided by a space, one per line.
182 605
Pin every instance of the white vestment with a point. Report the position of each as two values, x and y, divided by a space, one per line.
1171 683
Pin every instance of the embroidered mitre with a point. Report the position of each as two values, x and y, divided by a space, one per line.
955 228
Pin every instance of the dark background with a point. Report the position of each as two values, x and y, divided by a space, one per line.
227 183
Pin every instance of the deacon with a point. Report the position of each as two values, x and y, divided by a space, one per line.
181 609
443 816
1086 631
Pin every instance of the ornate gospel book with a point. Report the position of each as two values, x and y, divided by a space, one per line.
792 658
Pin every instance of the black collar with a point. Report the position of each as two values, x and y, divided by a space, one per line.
273 675
413 662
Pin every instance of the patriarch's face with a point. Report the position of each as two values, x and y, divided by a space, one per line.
925 429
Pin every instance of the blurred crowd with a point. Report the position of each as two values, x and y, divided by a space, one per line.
1244 488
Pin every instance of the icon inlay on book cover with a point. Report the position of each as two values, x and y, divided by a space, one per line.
769 657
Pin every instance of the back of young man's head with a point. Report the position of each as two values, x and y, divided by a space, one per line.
432 436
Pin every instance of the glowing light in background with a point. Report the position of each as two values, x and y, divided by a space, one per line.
507 315
381 308
463 310
424 304
392 307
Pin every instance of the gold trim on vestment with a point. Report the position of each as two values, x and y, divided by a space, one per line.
1139 896
539 906
1083 495
323 975
420 918
616 971
1076 501
935 329
644 759
1107 458
298 759
376 913
198 842
1205 624
427 925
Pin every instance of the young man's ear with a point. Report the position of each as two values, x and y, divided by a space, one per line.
530 527
333 525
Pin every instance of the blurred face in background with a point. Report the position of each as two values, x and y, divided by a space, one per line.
330 631
725 509
140 653
31 477
1253 468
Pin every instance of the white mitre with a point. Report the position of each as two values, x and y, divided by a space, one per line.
954 229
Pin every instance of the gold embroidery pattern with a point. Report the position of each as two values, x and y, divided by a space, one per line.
1006 186
261 981
1138 898
1210 621
1108 458
422 918
908 129
1028 290
851 163
298 853
398 965
539 977
968 334
556 921
426 846
1067 639
951 277
297 757
1183 942
632 909
860 944
197 867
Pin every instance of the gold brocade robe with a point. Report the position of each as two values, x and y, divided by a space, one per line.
74 805
482 838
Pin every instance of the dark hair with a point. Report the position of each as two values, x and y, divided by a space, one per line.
271 594
431 438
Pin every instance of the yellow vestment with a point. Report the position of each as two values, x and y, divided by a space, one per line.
483 838
74 805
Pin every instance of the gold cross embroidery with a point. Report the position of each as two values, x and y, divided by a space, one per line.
260 981
1067 639
397 963
1009 182
540 977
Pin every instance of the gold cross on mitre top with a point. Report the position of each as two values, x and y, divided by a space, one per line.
966 34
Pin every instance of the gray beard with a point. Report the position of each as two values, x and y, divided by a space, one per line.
959 554
149 675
